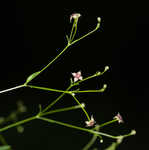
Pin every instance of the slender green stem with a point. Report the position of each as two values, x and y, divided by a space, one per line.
54 59
81 107
88 91
62 110
72 29
10 89
17 123
87 78
75 31
55 101
92 141
47 89
84 36
133 132
64 124
109 122
76 127
61 91
51 62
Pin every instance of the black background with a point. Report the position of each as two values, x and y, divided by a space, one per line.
33 33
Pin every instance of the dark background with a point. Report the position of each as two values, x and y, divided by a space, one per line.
33 33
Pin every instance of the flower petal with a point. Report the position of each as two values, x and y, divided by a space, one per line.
74 74
75 79
80 78
79 72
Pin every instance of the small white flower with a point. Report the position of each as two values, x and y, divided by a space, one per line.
75 16
119 118
91 122
77 76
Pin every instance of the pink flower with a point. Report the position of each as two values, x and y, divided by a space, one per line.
74 16
119 118
77 76
91 122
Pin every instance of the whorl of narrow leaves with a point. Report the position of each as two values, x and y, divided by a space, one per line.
31 77
6 147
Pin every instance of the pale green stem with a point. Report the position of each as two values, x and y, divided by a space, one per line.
61 110
92 141
109 122
76 127
47 89
126 135
55 101
84 36
10 89
17 123
34 117
72 29
54 59
81 107
63 124
88 91
87 78
75 31
66 92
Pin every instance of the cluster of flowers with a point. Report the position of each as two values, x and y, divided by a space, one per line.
76 77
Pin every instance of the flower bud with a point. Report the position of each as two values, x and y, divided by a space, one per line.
99 19
83 105
101 140
98 73
106 68
133 132
104 86
75 16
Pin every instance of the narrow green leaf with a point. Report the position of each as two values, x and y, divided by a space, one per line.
6 147
32 76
